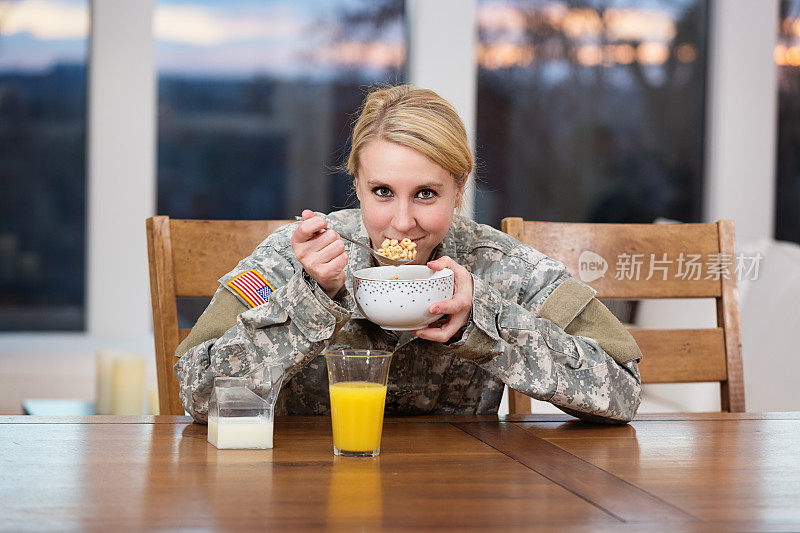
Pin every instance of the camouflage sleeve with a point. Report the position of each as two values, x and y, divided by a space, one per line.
291 328
536 356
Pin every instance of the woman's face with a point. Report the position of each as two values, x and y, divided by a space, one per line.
405 194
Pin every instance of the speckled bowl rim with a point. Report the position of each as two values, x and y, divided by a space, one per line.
441 274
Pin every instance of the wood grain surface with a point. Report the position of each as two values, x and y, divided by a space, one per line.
205 250
684 472
716 470
566 242
681 355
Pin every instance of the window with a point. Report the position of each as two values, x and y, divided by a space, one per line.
787 56
256 101
590 111
256 98
43 51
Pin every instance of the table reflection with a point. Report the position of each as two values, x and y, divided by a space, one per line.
355 490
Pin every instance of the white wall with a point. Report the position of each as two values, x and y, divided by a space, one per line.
121 163
741 116
441 57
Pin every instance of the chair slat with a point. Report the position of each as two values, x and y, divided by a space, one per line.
182 334
567 241
681 355
165 314
224 243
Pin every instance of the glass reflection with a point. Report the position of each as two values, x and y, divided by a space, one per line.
255 101
43 50
590 111
355 492
787 58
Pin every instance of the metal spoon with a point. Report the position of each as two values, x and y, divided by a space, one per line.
382 259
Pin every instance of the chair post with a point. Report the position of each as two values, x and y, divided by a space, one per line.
165 312
731 390
513 226
518 403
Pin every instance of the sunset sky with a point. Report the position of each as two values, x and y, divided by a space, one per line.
287 38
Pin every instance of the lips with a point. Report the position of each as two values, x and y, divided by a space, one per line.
401 238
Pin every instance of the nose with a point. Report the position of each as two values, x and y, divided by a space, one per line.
403 220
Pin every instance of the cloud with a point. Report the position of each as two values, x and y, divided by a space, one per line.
204 26
46 19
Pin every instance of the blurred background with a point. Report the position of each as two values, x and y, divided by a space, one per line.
578 110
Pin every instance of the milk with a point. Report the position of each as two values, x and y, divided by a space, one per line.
240 432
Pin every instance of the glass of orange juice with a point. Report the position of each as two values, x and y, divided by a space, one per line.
357 380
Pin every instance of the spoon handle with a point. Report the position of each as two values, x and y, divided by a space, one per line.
381 259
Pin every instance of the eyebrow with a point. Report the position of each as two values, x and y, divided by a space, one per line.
430 184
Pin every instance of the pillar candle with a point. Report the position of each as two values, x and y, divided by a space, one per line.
127 377
102 382
152 398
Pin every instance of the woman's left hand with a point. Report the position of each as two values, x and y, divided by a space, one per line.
456 310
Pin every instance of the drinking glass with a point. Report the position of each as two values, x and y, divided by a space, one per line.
357 380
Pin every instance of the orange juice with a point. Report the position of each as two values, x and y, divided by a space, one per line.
357 414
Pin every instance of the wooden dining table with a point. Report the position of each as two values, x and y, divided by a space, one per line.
681 472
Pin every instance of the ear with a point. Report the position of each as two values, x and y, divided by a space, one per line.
355 186
460 196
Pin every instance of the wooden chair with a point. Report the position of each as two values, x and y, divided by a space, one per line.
670 355
187 257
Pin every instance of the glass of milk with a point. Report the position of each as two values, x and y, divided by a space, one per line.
241 409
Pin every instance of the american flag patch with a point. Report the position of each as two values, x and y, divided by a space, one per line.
252 287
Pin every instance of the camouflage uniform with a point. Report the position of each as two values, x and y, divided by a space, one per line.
525 331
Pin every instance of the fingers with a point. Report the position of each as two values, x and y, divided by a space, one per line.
459 272
320 251
442 262
337 264
309 228
329 251
313 244
456 309
449 307
445 330
462 292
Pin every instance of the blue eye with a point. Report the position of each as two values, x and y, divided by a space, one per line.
427 194
382 192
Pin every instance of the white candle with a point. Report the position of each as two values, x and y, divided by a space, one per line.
102 382
127 377
152 399
240 432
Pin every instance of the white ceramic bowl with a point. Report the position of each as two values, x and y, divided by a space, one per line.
401 304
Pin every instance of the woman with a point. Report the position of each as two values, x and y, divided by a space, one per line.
517 317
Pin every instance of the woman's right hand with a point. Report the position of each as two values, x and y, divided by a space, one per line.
321 254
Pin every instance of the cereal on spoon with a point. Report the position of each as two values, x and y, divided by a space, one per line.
399 250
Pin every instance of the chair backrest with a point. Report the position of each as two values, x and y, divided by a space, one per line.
187 257
670 355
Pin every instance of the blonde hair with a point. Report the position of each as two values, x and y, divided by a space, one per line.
416 118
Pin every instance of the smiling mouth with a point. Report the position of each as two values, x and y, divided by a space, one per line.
401 238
